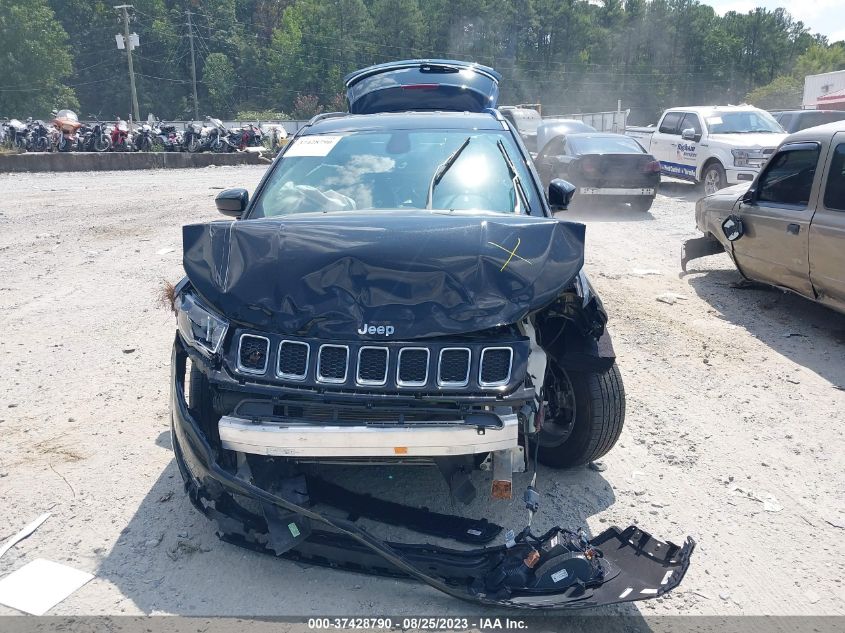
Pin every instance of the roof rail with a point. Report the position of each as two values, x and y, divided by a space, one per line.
325 115
495 112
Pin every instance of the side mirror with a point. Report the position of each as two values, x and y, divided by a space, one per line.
690 134
748 197
232 202
732 228
560 194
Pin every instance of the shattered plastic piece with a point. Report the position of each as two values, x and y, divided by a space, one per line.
770 504
40 585
164 251
642 272
670 298
24 532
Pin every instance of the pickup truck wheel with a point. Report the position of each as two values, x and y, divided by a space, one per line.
714 178
642 203
584 417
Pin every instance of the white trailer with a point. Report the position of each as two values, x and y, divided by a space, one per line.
816 86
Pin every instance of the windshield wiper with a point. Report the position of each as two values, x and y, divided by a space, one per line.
517 183
442 169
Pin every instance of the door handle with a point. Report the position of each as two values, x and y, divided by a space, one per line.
793 229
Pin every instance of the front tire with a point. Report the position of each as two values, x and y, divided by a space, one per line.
714 178
593 413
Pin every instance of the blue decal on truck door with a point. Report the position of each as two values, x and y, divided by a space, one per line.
676 170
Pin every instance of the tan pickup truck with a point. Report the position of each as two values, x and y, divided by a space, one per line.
787 228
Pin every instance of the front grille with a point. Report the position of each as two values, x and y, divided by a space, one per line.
293 360
453 370
495 366
429 366
252 354
332 362
372 365
413 367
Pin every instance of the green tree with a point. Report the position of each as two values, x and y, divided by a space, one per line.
784 93
35 59
218 75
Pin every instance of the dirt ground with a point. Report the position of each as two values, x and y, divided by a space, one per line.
734 430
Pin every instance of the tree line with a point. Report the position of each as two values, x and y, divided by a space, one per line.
287 58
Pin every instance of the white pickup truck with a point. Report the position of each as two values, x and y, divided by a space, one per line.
716 145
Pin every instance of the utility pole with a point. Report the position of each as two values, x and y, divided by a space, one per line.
128 45
193 67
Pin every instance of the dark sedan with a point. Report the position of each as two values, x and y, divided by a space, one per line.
604 167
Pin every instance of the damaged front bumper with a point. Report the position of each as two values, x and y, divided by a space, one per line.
558 570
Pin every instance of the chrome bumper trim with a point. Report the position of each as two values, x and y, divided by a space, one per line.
429 440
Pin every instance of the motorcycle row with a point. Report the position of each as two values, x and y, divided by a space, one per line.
67 134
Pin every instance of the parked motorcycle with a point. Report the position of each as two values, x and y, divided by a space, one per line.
39 139
119 136
248 136
93 138
67 123
144 138
218 137
167 137
275 138
17 134
192 139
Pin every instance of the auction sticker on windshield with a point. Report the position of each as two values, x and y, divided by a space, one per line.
318 145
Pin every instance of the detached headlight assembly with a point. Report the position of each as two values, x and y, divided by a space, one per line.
198 325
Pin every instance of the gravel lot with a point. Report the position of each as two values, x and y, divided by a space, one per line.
734 432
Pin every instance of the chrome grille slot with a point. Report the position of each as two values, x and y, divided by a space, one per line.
253 352
495 366
293 360
372 365
332 362
453 367
412 367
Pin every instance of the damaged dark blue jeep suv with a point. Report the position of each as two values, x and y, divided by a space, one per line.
397 291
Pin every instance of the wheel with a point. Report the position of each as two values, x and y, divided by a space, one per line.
714 178
585 412
42 145
194 144
102 143
642 203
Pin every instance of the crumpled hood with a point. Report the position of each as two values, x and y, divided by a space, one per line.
422 273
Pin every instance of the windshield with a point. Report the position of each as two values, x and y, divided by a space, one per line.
395 170
605 145
742 122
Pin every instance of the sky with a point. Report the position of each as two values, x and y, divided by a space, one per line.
821 16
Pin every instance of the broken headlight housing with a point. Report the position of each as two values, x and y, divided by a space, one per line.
583 287
201 328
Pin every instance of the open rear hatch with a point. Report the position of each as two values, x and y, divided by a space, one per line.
422 84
